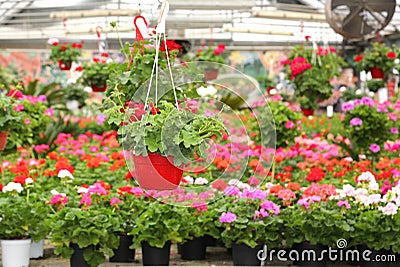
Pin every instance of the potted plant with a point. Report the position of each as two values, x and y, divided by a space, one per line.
83 228
64 54
96 73
9 116
249 220
156 228
311 71
22 219
201 216
375 84
164 138
214 55
379 60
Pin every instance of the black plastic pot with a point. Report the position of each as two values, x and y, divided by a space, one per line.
194 249
77 259
210 241
153 256
306 258
244 255
123 253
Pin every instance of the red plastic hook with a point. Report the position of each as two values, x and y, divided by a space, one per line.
139 35
98 28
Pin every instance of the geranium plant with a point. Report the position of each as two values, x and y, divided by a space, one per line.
96 73
378 56
169 130
64 54
211 54
311 71
9 114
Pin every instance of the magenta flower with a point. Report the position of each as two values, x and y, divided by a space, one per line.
303 202
86 200
94 149
227 217
42 98
27 121
115 201
289 125
101 119
59 199
49 112
19 107
41 148
97 188
137 191
231 191
347 106
355 122
344 203
394 130
374 148
271 206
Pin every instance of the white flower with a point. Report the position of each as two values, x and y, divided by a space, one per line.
348 190
54 192
200 181
389 209
364 200
360 192
82 189
65 173
373 186
243 186
28 180
375 198
349 159
11 186
188 179
366 177
207 91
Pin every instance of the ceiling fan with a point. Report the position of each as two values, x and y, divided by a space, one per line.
356 19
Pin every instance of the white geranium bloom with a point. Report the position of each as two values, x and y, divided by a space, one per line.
366 177
28 180
65 173
207 91
11 186
54 192
200 181
188 179
348 190
389 209
234 182
373 186
83 190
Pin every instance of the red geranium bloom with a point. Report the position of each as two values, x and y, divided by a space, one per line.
219 185
63 48
104 54
1 187
391 55
358 58
316 174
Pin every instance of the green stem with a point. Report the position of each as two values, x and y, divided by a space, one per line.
27 196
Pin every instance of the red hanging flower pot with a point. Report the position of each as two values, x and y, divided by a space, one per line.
211 74
3 140
157 172
65 65
307 112
99 89
377 73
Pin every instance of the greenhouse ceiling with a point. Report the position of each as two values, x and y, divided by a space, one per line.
240 24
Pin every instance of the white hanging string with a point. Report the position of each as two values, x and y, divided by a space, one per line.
170 72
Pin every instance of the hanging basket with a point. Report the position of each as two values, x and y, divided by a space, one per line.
99 89
211 74
377 73
65 65
3 140
157 172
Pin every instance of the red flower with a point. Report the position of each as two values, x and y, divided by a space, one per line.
20 179
316 174
219 185
74 45
124 189
79 46
391 55
63 48
104 54
358 58
79 68
171 45
293 186
96 60
1 187
307 37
